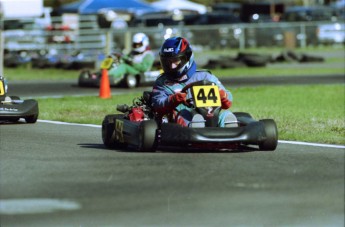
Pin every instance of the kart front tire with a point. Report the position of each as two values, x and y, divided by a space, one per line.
31 119
147 136
109 133
271 141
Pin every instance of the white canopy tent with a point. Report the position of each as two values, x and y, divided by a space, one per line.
183 5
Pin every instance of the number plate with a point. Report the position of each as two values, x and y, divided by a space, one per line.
206 96
2 88
106 63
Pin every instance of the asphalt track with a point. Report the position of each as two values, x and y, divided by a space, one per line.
61 175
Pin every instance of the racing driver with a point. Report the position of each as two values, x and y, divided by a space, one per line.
139 60
180 69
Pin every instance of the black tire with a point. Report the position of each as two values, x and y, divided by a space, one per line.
31 119
243 118
84 75
271 141
109 134
131 81
148 136
254 60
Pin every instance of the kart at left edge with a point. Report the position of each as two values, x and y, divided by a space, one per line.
12 108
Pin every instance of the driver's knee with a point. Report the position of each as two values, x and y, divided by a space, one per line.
189 119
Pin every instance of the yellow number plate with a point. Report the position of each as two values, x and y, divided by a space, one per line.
206 96
2 88
106 63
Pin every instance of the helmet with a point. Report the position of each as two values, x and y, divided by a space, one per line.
140 42
176 57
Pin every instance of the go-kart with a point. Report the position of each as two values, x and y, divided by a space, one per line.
93 79
12 108
140 127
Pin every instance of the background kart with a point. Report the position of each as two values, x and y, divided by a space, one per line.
89 79
12 108
138 126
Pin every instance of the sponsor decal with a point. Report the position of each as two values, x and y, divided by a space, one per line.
169 50
8 109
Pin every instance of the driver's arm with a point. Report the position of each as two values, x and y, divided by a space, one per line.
160 100
164 99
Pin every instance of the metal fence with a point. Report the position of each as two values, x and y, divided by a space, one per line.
89 37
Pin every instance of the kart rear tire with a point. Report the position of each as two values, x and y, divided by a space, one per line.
271 141
242 114
109 133
148 136
243 118
131 81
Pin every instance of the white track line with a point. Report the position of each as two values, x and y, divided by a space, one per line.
66 123
280 141
313 144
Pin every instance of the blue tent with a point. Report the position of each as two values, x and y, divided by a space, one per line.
93 6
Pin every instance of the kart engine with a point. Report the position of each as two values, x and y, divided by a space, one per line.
139 111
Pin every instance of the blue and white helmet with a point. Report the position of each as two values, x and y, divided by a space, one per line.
176 50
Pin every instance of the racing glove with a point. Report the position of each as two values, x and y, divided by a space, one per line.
226 103
177 99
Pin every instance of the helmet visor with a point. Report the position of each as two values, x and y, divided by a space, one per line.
137 45
172 64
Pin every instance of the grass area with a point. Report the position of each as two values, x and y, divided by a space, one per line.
283 70
25 73
312 113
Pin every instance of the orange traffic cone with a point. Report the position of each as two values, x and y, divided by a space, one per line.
104 87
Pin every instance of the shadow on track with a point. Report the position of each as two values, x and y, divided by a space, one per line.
163 149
